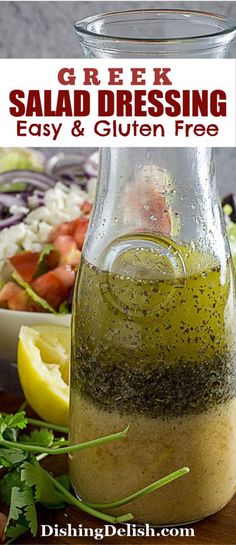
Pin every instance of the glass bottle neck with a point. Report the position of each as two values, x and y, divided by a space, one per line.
161 191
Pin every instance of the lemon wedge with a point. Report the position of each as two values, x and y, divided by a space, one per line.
43 368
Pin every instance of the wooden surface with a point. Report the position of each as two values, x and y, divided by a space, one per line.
219 529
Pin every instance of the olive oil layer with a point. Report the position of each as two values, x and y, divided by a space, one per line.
157 346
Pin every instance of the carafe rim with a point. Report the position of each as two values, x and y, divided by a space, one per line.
83 26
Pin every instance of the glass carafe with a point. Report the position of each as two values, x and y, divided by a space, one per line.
153 334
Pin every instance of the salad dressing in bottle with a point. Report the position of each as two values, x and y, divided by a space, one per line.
153 342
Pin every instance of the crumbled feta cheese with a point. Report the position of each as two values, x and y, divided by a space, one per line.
33 201
61 203
14 209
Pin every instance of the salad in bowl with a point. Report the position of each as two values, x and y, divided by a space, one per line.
43 223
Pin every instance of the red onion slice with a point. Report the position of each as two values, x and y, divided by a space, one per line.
12 220
33 179
8 199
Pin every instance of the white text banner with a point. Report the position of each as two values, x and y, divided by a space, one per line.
117 102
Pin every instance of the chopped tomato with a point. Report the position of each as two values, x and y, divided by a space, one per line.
70 255
65 229
66 275
78 222
157 215
76 228
81 226
49 287
15 298
25 263
86 207
152 208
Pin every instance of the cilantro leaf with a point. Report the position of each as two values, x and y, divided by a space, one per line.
31 515
13 421
22 504
64 481
42 266
20 497
32 294
34 475
10 434
43 438
8 482
18 501
9 457
13 532
17 420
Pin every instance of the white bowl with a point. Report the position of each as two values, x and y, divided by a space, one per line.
11 322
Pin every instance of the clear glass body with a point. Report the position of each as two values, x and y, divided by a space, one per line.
153 341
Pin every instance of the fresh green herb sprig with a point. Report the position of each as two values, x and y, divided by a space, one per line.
25 483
